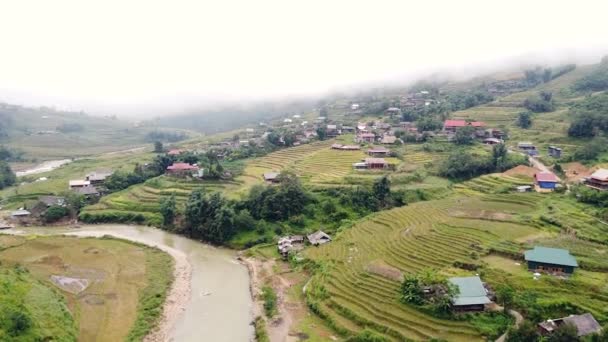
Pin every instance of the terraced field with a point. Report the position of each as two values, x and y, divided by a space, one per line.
144 199
328 167
360 271
492 183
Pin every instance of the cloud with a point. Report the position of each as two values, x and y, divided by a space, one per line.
136 56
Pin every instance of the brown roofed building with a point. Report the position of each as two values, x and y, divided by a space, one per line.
585 324
378 151
598 180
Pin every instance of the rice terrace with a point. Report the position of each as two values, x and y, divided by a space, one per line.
304 172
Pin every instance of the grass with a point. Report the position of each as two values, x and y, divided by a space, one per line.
43 308
127 281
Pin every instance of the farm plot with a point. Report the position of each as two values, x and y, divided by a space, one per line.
328 167
491 184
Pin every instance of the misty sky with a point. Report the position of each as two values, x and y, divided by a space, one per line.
137 56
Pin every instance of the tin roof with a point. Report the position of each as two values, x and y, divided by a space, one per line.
471 291
548 255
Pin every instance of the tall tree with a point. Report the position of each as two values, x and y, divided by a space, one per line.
382 190
524 119
168 210
158 147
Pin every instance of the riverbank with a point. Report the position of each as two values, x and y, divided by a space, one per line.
177 299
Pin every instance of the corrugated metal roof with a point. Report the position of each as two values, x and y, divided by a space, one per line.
548 255
601 175
471 291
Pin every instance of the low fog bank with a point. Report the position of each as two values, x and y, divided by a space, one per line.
163 106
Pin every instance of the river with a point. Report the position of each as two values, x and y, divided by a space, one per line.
43 167
220 307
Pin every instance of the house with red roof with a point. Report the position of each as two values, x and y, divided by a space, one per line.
182 169
453 125
174 152
546 180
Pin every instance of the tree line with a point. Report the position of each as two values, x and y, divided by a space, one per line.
463 165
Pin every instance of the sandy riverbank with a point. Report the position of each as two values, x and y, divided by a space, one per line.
177 299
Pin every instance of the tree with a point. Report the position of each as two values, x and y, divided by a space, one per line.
524 120
464 135
158 147
505 294
500 153
411 290
7 177
526 332
322 133
382 190
564 333
168 210
192 214
55 213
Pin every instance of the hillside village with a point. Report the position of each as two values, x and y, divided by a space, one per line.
431 212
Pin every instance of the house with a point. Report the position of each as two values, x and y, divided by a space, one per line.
87 191
271 177
174 152
375 163
585 325
550 260
451 126
598 180
526 146
288 244
362 128
546 180
336 146
383 126
492 141
348 129
20 214
378 151
366 137
494 133
523 188
332 130
350 148
555 152
388 139
98 177
393 111
182 169
360 166
354 106
78 183
318 238
472 295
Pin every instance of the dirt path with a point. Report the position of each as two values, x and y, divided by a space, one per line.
178 296
518 320
262 273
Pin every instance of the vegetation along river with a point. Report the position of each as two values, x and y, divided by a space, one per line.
219 307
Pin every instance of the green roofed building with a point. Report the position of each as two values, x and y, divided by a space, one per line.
472 295
550 260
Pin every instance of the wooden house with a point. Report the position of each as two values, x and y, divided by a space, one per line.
271 177
378 151
375 163
598 180
450 126
366 137
550 260
585 325
472 295
182 169
318 238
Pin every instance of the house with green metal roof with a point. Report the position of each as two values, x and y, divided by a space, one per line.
472 295
550 260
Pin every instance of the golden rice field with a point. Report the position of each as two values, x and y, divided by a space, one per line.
360 271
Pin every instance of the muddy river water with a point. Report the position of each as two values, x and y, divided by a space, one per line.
220 306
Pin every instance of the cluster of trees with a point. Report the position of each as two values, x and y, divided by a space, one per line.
543 75
209 217
524 120
590 117
541 103
10 155
465 135
167 136
276 203
7 176
428 289
70 127
591 150
465 100
465 165
596 80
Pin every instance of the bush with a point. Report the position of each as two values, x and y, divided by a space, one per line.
55 213
270 301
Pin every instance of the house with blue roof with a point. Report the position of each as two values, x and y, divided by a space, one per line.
472 295
550 260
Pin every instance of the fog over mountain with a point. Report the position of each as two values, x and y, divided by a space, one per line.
141 58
